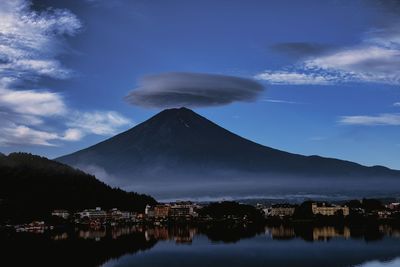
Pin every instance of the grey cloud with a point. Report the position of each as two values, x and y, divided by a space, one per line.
193 90
300 49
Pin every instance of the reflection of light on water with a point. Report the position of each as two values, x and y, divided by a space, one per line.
392 263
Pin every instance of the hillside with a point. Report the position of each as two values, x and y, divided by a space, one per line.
32 186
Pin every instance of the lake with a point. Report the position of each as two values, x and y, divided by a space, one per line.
211 245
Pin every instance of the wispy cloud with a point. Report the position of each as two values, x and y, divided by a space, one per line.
32 102
99 122
279 101
382 119
376 59
397 104
294 78
30 42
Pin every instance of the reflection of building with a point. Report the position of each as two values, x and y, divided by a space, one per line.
280 210
92 234
325 233
61 213
282 232
389 231
328 210
61 236
158 233
178 234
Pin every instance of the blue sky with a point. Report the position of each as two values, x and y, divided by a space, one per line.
330 72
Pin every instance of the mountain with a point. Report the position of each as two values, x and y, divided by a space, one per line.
32 186
178 153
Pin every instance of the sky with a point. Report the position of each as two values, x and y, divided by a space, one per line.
310 77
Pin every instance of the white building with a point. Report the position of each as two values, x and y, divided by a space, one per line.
61 213
93 214
328 210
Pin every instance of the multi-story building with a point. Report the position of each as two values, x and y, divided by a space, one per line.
394 206
280 210
162 211
118 215
328 210
61 213
182 210
149 211
93 214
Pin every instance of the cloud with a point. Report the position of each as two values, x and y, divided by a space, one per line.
382 119
375 59
32 102
193 90
100 174
13 134
279 101
30 42
20 129
397 104
99 122
294 78
362 64
300 49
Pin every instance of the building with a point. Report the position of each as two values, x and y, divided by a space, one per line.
394 206
328 210
149 211
280 210
161 211
93 214
61 213
182 210
117 215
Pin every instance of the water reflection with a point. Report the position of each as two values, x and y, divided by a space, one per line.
267 244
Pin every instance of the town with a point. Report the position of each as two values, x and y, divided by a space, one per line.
186 212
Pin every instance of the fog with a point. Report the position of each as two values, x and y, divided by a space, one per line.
231 185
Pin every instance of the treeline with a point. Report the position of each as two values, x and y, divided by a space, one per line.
32 186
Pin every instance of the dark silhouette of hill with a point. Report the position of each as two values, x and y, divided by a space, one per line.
180 146
32 186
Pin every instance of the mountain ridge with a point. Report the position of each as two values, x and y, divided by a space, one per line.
181 143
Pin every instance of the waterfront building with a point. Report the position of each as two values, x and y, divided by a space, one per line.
149 211
93 214
328 210
394 206
118 215
162 211
61 213
280 210
182 210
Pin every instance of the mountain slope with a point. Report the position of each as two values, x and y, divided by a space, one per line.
32 186
180 146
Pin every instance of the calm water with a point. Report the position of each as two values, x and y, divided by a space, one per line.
376 246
